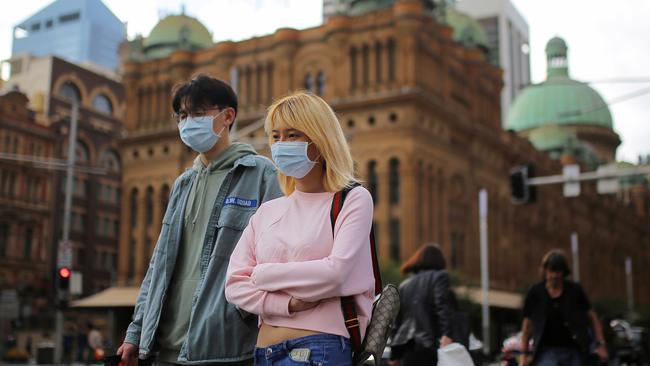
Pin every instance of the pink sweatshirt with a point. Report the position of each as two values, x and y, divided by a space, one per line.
288 250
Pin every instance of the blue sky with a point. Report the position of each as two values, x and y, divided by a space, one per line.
606 39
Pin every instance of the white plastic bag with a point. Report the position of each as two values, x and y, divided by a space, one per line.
454 354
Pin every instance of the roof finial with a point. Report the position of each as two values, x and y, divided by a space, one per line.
183 9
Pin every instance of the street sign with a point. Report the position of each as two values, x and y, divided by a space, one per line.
64 257
571 173
607 185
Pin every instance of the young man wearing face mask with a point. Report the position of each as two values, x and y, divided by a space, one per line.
181 314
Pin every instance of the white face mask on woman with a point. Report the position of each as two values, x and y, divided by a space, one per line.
291 158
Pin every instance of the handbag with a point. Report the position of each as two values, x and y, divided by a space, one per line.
384 309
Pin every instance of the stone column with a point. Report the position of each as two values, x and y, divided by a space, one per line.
155 115
372 66
140 233
264 85
382 212
125 236
154 229
443 209
408 208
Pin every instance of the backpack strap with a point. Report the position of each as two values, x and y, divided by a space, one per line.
348 305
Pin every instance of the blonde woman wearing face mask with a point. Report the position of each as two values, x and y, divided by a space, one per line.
290 266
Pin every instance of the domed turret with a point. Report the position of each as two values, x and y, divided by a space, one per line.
176 32
569 104
467 30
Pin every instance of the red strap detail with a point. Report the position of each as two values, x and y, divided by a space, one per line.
349 308
348 305
375 263
337 204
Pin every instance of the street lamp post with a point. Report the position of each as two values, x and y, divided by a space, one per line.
64 257
575 253
485 279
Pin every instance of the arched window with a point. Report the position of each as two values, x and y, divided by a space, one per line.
366 61
393 180
164 198
353 68
29 239
309 82
241 74
391 60
394 232
320 83
269 81
110 161
258 84
134 208
379 49
103 104
149 206
372 180
70 91
131 268
249 85
82 154
148 250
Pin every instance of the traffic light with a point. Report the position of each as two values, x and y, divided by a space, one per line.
521 191
64 278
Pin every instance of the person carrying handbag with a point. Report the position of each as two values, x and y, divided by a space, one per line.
423 323
291 267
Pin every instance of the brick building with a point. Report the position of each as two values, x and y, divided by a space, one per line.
26 197
424 123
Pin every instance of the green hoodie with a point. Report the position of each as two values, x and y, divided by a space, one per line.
175 317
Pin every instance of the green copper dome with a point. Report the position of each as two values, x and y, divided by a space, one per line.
467 31
559 100
364 6
176 32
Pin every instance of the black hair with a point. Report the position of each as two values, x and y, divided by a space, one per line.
203 91
429 256
555 261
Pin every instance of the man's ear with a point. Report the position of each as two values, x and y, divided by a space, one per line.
230 116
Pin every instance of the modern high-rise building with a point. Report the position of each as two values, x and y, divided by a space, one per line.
507 33
81 31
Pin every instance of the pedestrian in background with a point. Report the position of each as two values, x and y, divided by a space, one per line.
558 315
95 344
181 315
426 310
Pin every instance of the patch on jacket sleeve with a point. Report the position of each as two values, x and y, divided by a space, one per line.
241 202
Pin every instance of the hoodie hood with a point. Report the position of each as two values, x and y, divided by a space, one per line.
226 159
209 179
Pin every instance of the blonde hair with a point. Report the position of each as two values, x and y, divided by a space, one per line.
310 114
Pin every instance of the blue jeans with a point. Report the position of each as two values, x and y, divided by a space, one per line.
558 356
315 350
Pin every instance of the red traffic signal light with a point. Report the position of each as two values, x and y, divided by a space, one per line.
63 279
64 273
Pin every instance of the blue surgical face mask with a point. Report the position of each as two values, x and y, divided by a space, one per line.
198 134
291 158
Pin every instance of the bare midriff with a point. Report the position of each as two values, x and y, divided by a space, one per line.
270 335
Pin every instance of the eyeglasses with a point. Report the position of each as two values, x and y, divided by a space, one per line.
178 117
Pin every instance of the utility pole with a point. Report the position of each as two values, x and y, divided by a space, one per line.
485 279
576 256
64 257
629 283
